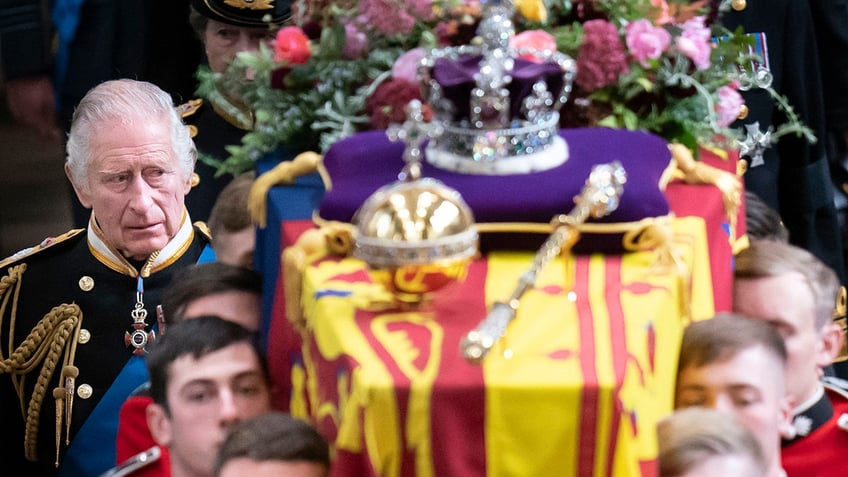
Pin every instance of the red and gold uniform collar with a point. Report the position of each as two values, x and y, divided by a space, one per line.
113 259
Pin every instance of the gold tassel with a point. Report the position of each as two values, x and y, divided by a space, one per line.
694 172
59 396
70 373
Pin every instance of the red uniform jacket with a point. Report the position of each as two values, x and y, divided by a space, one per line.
822 444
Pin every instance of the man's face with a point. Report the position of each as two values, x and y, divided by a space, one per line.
748 386
206 397
223 41
135 186
271 468
786 302
236 248
238 306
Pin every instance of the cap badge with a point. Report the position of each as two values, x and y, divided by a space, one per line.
251 4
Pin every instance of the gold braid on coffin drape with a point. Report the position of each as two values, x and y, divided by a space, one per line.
335 238
283 173
51 343
695 172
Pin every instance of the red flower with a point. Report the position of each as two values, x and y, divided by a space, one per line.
291 46
387 104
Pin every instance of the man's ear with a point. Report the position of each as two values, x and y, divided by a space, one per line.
159 424
84 197
192 180
832 339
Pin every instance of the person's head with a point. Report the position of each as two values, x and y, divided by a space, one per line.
130 160
273 444
736 365
763 222
214 288
233 234
703 442
206 375
793 290
227 28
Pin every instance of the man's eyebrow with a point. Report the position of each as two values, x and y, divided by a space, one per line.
250 373
742 387
198 382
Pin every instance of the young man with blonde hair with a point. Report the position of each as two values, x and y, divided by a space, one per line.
792 290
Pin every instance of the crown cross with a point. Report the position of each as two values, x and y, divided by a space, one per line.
413 132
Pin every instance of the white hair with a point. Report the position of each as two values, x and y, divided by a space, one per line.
124 101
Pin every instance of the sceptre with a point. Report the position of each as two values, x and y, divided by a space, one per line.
599 197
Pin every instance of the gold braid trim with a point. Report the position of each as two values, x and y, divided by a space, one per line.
52 340
283 173
335 238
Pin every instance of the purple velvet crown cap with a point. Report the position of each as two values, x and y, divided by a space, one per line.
456 78
361 164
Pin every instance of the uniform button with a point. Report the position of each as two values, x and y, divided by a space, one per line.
84 391
195 179
86 283
743 112
739 5
84 336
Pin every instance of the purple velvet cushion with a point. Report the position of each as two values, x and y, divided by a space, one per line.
361 164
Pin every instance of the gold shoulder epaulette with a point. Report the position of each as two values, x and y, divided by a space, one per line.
45 244
204 229
189 107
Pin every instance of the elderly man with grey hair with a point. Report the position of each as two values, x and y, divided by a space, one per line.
77 312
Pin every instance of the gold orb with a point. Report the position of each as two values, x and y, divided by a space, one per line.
417 237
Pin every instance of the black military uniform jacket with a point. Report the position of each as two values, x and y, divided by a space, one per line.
795 178
212 130
86 338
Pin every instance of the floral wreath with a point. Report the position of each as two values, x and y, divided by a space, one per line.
663 66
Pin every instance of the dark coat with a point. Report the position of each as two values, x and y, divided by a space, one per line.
149 40
213 135
795 179
53 276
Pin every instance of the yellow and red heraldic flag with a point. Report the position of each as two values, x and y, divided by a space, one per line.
575 388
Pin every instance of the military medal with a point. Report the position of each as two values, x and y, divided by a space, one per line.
760 74
137 336
755 144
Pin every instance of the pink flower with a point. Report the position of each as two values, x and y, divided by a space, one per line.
406 66
387 17
646 41
291 46
537 40
728 106
601 58
694 42
356 42
422 9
